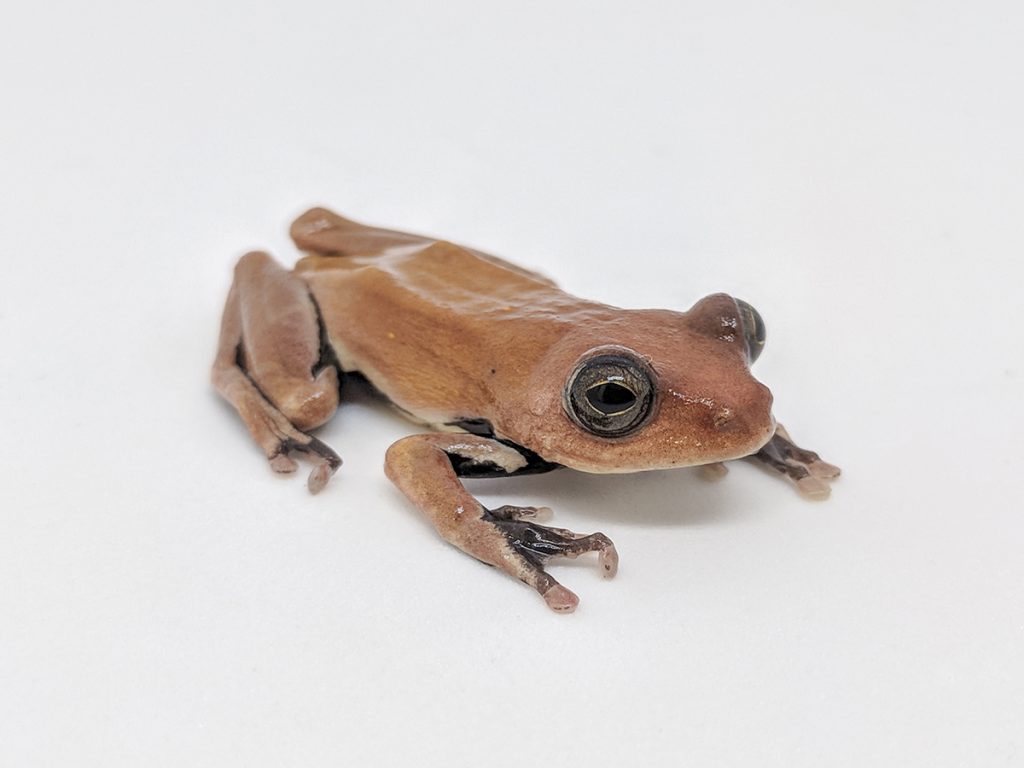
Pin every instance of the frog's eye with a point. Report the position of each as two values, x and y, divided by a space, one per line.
753 329
610 394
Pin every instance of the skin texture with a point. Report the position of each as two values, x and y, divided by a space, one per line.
461 340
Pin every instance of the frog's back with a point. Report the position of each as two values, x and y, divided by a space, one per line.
405 271
433 325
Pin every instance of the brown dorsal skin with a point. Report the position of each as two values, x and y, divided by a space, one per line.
449 333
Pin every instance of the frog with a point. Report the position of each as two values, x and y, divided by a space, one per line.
509 374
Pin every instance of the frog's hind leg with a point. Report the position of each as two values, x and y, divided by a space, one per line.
804 468
427 469
275 367
325 233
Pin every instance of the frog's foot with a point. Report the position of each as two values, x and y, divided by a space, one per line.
805 468
538 543
533 545
326 461
427 468
273 431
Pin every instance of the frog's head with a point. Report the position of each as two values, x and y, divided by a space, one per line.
661 389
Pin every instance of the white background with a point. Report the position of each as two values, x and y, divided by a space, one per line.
853 169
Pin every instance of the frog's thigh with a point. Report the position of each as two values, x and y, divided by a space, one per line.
245 372
282 342
424 468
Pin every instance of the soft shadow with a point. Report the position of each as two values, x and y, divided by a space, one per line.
669 498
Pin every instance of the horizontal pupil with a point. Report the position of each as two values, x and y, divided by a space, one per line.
610 397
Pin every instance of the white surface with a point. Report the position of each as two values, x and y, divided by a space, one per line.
853 169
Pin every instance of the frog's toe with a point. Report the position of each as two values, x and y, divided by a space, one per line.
319 476
283 463
823 470
811 487
560 599
608 558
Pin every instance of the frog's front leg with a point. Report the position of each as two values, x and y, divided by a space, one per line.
805 468
274 366
427 469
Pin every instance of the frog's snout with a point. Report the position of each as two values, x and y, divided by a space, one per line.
752 417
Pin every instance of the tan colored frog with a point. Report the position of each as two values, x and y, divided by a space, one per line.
513 375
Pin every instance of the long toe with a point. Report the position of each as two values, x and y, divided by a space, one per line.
560 599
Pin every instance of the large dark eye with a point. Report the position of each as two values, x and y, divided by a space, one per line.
610 394
753 329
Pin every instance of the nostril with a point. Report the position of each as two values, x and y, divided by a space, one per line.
722 417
